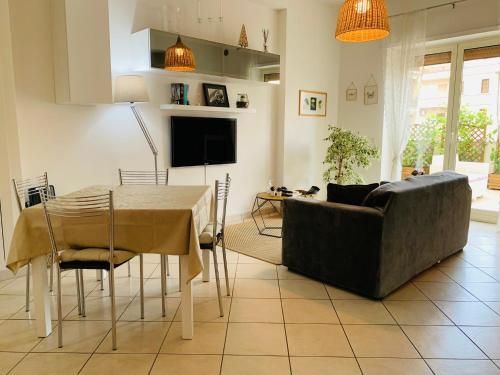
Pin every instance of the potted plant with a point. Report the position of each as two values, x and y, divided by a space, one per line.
346 152
494 178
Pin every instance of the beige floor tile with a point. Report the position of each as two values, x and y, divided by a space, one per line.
380 341
208 339
4 283
493 272
69 303
494 306
78 337
252 365
124 287
437 291
152 309
487 338
285 274
324 366
248 310
442 342
417 313
16 286
462 367
11 304
246 259
207 310
137 364
135 270
209 290
317 340
256 271
467 275
231 271
250 288
305 289
152 287
433 274
393 366
51 364
309 311
484 291
455 261
469 313
136 337
256 339
99 308
362 312
172 364
18 335
407 292
337 293
8 361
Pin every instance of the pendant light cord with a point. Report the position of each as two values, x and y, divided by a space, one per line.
452 3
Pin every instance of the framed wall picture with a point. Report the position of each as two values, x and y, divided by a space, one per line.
312 103
371 94
351 94
215 95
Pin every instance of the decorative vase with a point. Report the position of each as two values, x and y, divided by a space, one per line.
242 101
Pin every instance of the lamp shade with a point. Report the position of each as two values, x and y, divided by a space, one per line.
362 21
179 58
131 89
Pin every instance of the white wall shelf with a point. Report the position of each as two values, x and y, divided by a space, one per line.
201 108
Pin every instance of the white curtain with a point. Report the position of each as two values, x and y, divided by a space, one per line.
404 66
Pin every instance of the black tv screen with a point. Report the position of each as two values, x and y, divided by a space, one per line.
202 141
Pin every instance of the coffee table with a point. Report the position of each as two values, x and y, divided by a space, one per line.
263 200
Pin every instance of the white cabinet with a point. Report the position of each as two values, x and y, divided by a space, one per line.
82 60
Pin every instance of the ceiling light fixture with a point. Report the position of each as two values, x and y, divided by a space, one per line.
179 58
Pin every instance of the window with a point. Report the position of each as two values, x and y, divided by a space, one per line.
485 86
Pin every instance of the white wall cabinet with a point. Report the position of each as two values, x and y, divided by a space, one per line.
82 59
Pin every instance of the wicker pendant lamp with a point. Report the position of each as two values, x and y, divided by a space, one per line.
179 58
362 21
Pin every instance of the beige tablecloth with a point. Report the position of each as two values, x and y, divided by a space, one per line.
148 219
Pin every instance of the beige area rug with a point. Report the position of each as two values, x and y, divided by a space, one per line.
244 238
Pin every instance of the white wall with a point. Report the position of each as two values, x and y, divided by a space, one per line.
359 61
311 63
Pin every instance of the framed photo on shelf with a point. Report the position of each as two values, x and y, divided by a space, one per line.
215 95
312 103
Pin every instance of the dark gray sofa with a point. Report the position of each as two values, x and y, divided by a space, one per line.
401 229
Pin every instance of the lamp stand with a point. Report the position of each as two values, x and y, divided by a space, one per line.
149 139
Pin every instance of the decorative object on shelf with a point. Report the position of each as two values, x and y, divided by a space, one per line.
132 89
351 94
362 21
371 91
243 42
309 193
179 58
312 103
265 34
215 95
347 152
242 101
180 93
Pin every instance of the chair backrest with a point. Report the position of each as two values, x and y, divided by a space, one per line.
221 195
28 190
142 177
78 207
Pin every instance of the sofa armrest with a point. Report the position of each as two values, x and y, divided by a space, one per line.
336 243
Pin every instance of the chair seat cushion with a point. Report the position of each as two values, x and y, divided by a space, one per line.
206 237
95 255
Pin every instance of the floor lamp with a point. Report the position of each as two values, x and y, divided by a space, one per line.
132 89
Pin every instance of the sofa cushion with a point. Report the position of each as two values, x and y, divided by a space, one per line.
349 194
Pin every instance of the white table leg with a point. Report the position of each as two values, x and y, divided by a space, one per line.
206 265
41 295
186 300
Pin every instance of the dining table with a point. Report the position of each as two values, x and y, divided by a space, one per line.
147 219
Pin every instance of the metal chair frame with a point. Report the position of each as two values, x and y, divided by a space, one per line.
221 195
25 188
68 208
127 177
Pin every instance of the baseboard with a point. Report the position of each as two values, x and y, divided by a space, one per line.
484 216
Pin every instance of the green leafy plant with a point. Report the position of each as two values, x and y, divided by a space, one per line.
347 150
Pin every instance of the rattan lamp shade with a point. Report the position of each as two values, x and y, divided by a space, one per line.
180 58
362 21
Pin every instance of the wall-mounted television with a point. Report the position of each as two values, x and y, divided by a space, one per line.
202 141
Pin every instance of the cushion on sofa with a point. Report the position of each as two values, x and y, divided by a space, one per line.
349 194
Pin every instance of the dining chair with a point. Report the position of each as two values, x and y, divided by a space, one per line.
27 191
128 177
73 211
213 234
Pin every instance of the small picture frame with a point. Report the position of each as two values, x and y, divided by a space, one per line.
371 94
351 95
312 103
215 95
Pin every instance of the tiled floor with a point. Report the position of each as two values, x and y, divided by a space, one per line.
446 321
